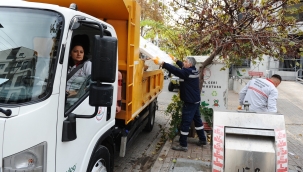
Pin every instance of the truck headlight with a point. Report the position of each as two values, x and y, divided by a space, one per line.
32 159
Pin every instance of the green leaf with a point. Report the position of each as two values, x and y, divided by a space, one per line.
207 113
291 43
297 64
283 49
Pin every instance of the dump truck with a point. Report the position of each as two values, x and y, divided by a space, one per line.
42 128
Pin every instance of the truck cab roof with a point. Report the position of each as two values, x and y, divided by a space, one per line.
65 10
113 9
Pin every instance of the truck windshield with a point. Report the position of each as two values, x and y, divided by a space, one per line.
28 45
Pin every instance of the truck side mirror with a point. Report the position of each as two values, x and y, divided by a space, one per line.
101 95
104 60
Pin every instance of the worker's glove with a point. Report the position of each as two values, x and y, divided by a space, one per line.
173 58
239 107
157 61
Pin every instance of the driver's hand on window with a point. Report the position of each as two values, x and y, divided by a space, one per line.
71 93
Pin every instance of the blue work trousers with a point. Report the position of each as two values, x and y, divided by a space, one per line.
190 112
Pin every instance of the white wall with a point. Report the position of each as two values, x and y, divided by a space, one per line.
238 84
272 64
260 66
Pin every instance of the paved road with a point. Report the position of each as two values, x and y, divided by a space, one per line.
290 104
143 153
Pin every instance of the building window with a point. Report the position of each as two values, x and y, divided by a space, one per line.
19 64
2 66
24 66
13 53
18 81
245 64
297 16
289 65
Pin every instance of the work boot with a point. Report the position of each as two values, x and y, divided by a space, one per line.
179 148
201 143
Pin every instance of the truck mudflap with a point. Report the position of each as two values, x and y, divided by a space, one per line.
249 141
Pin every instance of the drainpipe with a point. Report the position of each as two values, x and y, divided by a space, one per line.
268 72
268 63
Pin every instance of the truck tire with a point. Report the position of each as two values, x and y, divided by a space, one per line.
100 160
170 86
151 117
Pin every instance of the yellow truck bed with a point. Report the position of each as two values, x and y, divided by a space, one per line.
139 87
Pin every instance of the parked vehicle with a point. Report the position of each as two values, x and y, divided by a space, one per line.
166 75
173 83
41 128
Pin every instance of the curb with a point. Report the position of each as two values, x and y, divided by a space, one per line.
156 167
159 163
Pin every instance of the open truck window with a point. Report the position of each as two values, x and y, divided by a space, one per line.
77 86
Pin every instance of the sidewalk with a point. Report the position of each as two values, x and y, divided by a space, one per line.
198 158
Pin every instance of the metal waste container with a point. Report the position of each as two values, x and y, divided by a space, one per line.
245 141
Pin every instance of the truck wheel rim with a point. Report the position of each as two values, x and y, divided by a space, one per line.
99 167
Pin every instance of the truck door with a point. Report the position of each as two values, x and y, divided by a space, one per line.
74 155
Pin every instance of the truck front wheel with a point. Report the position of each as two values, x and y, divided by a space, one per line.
100 161
151 117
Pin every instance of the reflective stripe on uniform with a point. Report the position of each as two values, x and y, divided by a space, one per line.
184 133
258 91
193 76
199 128
190 76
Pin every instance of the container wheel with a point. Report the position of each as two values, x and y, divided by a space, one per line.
151 117
100 161
170 86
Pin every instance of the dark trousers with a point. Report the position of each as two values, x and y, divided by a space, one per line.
190 112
